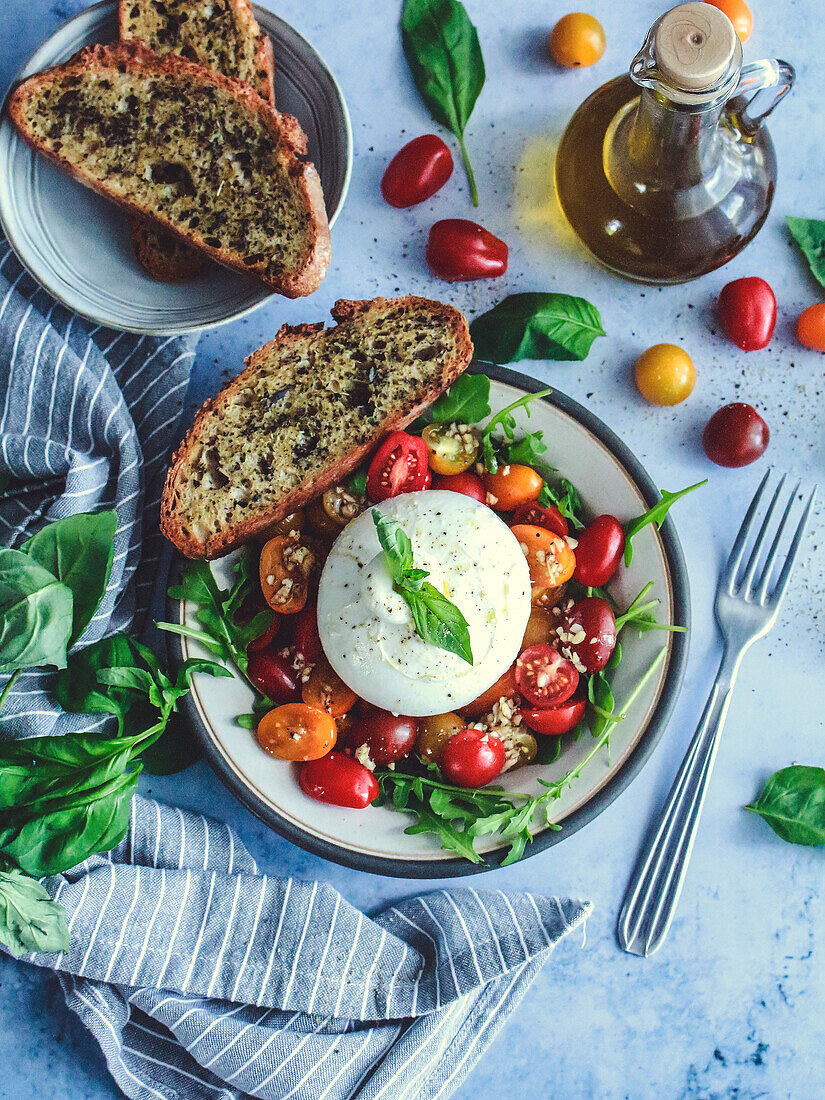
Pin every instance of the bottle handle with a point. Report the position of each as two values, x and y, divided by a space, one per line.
764 84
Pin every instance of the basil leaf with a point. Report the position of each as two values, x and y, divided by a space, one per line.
396 546
33 770
78 551
35 614
809 234
536 326
656 515
176 749
442 49
78 689
357 483
793 804
29 919
439 621
467 401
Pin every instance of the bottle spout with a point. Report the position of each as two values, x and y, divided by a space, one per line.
763 84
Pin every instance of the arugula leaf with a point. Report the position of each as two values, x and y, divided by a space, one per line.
536 326
35 614
564 495
491 447
357 483
527 450
809 234
656 515
793 804
78 551
29 919
640 615
466 402
442 49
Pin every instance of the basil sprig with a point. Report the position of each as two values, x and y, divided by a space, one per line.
793 804
442 49
536 326
29 919
467 401
436 619
809 234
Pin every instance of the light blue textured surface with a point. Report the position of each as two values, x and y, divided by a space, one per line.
732 1003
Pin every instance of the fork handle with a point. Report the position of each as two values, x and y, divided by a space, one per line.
654 888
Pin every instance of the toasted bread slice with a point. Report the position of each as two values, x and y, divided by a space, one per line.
309 407
222 35
199 153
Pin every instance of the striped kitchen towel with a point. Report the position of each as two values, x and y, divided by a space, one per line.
199 976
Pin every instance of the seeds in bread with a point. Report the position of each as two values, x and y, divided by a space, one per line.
309 407
201 154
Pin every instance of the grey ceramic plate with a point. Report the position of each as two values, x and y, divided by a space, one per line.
76 244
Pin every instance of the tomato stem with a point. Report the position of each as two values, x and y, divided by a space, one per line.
465 156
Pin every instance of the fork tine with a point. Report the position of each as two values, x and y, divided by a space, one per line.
738 549
787 569
762 536
773 553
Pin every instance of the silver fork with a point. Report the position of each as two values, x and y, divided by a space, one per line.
746 609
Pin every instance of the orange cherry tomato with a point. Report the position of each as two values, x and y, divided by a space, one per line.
539 628
325 690
551 560
810 328
503 688
285 569
451 448
296 731
739 14
577 40
512 485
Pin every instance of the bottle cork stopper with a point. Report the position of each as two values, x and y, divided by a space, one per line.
694 46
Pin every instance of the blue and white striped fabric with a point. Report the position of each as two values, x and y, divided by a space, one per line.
199 976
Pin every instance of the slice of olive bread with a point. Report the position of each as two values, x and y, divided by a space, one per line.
309 407
201 154
222 35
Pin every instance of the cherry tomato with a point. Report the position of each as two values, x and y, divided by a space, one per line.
736 435
576 40
325 690
599 551
544 677
296 731
290 524
329 513
556 720
747 310
810 328
739 14
540 627
548 597
513 485
472 758
461 251
588 629
550 559
339 780
468 484
537 515
451 448
399 466
306 640
273 675
434 733
503 688
665 374
388 736
263 641
417 171
285 570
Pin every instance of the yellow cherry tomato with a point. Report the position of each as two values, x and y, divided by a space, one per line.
665 374
296 731
512 485
739 14
576 40
810 328
550 559
451 448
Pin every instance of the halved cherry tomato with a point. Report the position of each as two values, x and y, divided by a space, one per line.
461 251
417 171
540 628
550 559
285 570
469 484
599 551
325 690
556 720
329 513
339 780
512 485
592 617
451 448
290 524
399 466
544 677
472 758
537 515
388 736
273 675
434 733
296 731
747 310
503 688
306 641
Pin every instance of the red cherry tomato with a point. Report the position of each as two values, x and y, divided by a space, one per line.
555 721
306 640
273 674
469 484
736 435
594 617
747 310
388 736
544 677
339 780
472 758
461 251
599 551
539 516
503 688
417 171
399 466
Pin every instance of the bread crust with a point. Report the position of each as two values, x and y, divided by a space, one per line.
166 261
135 56
343 312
